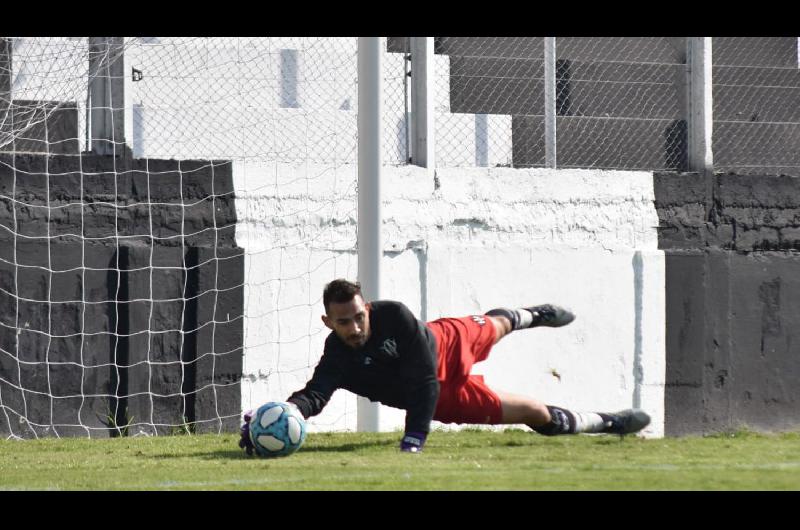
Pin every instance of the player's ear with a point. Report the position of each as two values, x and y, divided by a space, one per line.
327 321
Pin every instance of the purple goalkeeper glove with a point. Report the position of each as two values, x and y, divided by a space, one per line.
412 442
245 442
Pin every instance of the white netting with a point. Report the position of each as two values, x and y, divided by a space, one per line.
165 288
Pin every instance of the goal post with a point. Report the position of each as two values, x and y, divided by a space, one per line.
370 242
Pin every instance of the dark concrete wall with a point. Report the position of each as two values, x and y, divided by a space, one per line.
110 271
732 249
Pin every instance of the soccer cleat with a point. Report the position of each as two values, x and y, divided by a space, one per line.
626 421
550 315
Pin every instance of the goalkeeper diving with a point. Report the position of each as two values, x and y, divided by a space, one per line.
380 351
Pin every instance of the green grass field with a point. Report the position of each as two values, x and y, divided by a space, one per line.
466 460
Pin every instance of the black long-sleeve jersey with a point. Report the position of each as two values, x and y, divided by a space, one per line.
396 367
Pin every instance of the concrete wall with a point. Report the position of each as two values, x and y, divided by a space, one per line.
154 298
732 290
462 242
685 287
120 296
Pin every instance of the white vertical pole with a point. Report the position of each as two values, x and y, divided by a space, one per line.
370 245
700 116
422 117
550 102
126 85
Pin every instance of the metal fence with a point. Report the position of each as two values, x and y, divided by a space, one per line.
619 102
756 105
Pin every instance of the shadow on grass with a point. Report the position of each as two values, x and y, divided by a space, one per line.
235 453
349 447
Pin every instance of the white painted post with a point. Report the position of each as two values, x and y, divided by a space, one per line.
106 112
550 102
127 98
5 92
370 244
700 116
550 98
422 117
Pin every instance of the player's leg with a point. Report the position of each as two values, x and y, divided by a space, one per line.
502 327
473 402
550 420
507 320
522 409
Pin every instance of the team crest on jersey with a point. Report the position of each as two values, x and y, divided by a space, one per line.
389 347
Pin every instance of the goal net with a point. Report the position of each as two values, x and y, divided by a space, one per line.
170 210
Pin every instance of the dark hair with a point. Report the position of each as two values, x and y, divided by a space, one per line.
340 291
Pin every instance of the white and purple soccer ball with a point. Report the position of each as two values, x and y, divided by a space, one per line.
277 429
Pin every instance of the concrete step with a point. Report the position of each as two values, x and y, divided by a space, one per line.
769 148
635 49
751 147
602 142
779 52
515 86
756 94
630 90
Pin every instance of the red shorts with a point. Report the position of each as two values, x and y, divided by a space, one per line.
464 398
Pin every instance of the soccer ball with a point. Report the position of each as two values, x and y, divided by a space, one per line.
277 429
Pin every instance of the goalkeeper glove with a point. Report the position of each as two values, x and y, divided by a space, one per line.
245 442
412 442
295 408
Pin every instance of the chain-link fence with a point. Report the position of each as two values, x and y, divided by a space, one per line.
480 84
756 105
287 99
619 102
282 99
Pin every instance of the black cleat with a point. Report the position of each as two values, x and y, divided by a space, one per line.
626 421
550 315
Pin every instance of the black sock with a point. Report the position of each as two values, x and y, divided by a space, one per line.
519 318
562 421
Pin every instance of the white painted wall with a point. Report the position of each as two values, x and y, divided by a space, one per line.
478 239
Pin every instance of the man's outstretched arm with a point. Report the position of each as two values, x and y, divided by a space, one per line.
420 382
318 391
309 401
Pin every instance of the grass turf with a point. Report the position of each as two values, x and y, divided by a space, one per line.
465 460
